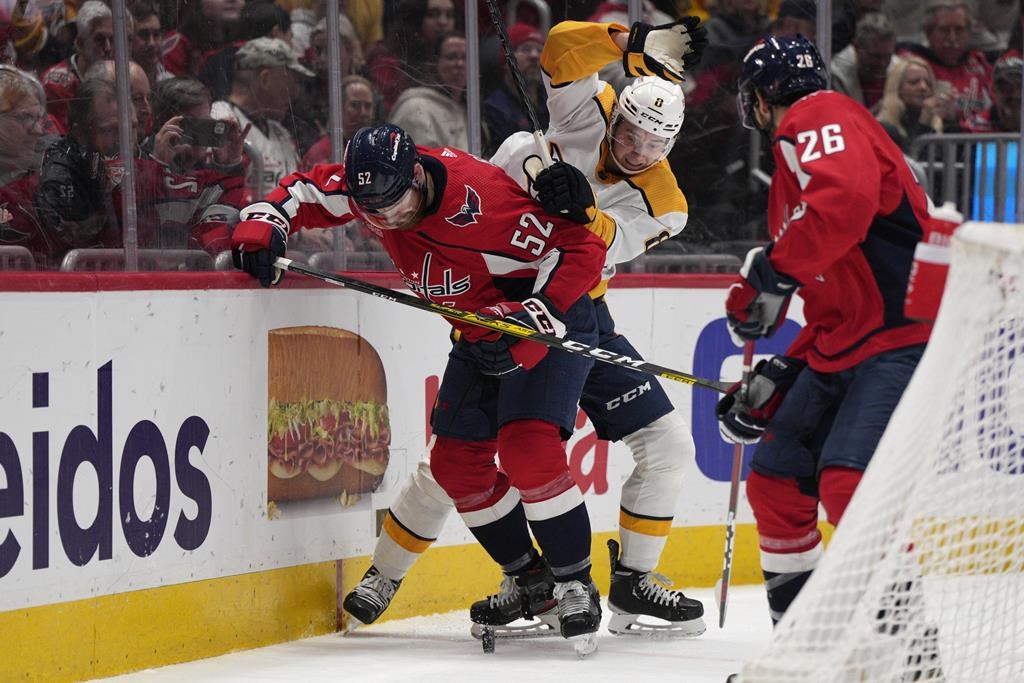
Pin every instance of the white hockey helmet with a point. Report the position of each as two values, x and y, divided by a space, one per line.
653 105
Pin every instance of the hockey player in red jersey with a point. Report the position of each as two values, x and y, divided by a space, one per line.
462 233
845 214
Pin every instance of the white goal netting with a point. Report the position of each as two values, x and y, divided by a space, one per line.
924 578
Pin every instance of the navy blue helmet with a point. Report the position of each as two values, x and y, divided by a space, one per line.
379 166
781 69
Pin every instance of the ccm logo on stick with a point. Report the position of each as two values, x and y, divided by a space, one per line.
602 353
84 445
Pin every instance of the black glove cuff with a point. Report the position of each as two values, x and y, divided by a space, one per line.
637 36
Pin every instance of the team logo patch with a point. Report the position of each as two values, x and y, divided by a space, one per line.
470 210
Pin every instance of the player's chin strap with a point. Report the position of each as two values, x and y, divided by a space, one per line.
504 326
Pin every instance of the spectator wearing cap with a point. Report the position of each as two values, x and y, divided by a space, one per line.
1003 116
503 110
93 43
964 74
264 83
796 17
859 70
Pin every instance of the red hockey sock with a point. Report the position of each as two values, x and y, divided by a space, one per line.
836 488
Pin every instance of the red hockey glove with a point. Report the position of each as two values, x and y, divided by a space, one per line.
563 190
743 420
666 50
758 300
256 244
506 355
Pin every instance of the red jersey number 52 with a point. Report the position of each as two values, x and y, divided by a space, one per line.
531 243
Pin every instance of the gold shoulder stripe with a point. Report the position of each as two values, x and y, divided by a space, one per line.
660 190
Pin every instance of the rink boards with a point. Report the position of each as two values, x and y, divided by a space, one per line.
135 524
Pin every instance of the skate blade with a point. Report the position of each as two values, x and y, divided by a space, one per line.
630 625
536 628
351 624
584 644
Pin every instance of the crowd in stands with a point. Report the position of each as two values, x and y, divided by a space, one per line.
230 96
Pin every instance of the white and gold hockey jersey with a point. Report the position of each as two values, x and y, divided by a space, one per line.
635 212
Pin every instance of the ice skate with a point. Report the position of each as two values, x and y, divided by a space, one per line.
524 607
579 614
667 613
370 597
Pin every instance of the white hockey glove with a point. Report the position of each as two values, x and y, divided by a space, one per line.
666 50
743 419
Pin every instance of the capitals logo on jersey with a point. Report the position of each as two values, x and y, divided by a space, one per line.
449 286
470 210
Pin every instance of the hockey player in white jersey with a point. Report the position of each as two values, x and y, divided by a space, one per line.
610 173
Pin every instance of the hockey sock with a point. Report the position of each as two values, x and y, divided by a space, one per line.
836 488
782 590
507 540
566 543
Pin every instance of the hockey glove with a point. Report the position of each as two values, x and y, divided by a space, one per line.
256 245
743 419
506 355
666 50
758 300
563 190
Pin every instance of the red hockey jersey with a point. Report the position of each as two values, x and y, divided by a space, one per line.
60 82
483 239
845 213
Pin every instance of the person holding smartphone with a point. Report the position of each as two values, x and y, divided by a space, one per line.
197 183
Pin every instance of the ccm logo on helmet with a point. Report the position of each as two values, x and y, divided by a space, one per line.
628 396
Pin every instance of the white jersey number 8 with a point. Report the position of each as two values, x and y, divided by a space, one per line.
832 141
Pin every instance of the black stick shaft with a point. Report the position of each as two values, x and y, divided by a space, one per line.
504 326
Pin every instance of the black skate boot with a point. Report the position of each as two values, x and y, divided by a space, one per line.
634 594
579 614
527 595
902 615
370 597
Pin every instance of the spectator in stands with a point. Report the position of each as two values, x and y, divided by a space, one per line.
1003 116
197 188
358 107
352 60
993 21
435 115
503 111
965 73
860 69
22 118
910 105
76 199
204 26
266 70
737 24
258 19
403 58
147 39
94 42
314 97
796 17
846 14
141 91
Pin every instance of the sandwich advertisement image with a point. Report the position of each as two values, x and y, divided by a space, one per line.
328 433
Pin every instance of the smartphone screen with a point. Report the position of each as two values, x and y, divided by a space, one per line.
203 132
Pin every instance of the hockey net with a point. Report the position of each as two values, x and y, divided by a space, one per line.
924 578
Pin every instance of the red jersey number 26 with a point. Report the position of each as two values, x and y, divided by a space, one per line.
815 144
531 243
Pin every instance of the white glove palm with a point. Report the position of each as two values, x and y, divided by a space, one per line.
666 50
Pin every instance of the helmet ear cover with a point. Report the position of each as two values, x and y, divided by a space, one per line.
380 166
